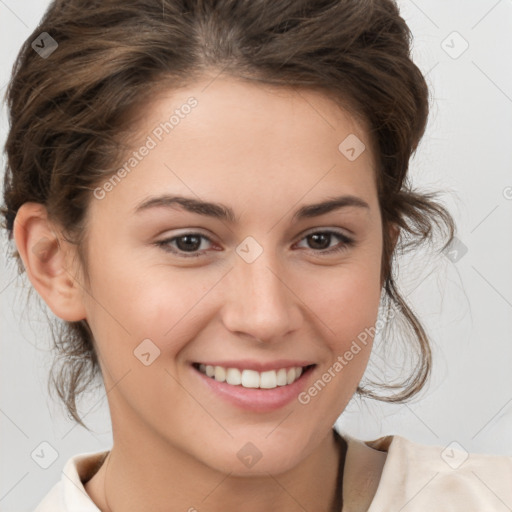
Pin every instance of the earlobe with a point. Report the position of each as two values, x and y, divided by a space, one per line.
46 259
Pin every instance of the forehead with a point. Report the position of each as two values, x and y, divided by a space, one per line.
223 135
249 107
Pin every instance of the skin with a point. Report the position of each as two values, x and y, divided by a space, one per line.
264 152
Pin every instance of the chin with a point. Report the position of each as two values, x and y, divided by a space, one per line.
253 459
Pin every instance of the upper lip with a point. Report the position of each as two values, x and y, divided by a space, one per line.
248 364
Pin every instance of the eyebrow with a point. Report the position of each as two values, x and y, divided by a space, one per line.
222 212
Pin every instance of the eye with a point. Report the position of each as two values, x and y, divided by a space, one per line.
185 243
189 245
320 241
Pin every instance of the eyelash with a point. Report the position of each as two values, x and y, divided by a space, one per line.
346 243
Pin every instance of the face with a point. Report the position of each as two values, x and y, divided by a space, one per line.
252 281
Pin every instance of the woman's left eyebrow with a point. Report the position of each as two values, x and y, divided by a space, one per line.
223 212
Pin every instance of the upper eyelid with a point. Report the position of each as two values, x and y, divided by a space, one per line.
336 231
191 231
332 231
344 239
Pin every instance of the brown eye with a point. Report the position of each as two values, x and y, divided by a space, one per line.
183 244
320 241
188 242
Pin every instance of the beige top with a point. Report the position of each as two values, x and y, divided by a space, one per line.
389 474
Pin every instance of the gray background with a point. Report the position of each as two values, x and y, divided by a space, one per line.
466 305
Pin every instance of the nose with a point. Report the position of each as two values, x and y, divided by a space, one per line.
261 303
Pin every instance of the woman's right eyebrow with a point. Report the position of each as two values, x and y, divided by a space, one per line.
223 212
216 210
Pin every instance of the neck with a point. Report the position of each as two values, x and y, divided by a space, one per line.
141 478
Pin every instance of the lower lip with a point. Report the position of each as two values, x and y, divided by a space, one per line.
257 399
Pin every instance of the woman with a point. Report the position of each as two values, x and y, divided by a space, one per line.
210 195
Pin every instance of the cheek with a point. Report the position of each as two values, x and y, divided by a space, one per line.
346 316
345 299
131 302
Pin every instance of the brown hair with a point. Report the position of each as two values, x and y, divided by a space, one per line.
67 111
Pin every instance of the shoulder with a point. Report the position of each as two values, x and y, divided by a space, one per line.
436 474
69 493
53 500
417 477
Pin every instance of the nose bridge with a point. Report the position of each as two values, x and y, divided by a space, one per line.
261 304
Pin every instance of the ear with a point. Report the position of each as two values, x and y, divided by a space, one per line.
46 257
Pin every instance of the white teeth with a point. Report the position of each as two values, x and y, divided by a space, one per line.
234 376
220 374
281 377
251 378
268 380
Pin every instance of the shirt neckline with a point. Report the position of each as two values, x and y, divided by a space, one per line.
359 472
364 465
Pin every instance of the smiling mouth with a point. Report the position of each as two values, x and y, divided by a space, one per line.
253 379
